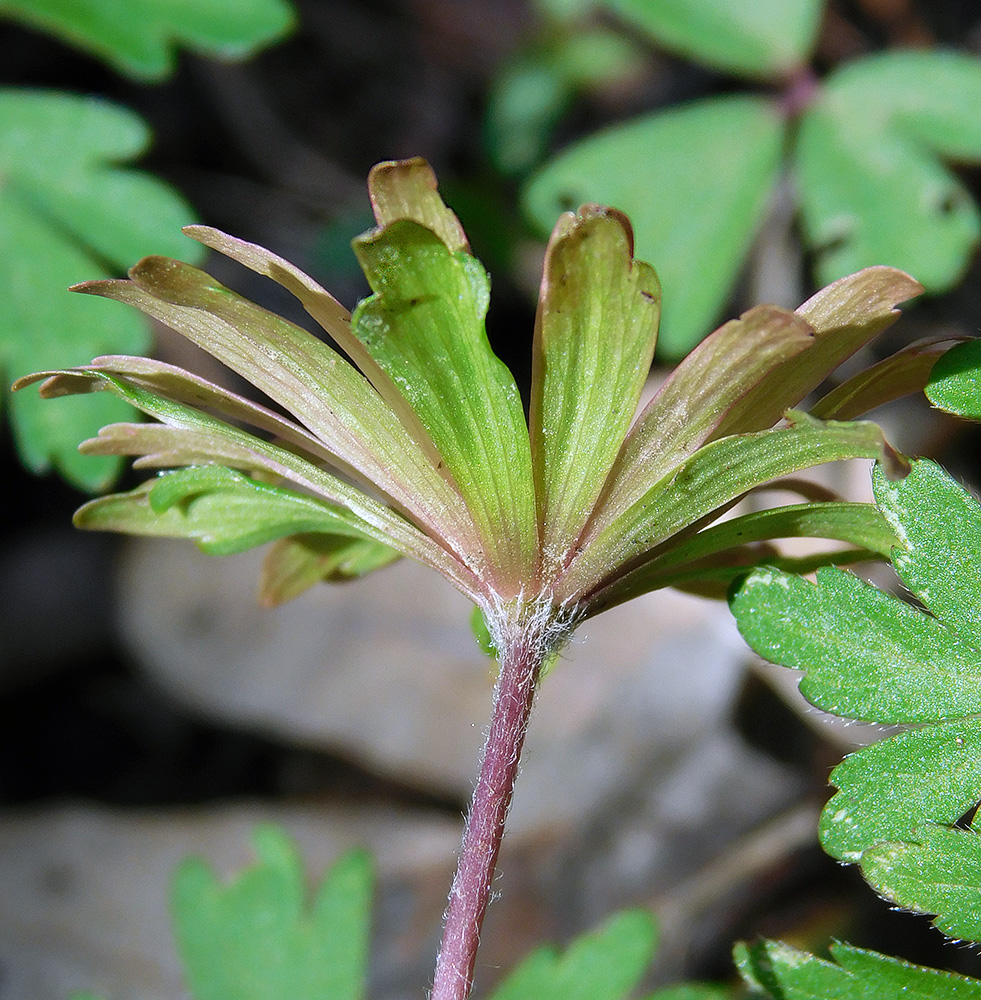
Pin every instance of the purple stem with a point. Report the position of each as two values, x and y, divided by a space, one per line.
520 664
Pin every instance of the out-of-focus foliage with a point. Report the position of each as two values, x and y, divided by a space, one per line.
71 207
865 148
258 937
138 37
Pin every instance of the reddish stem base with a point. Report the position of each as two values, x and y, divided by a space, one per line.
470 894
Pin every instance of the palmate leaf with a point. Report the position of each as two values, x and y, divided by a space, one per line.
743 377
782 972
138 37
257 938
187 436
870 656
221 510
69 208
311 380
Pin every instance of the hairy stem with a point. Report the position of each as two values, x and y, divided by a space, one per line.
520 664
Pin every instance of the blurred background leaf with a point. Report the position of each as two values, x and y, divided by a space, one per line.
757 38
872 185
70 210
138 37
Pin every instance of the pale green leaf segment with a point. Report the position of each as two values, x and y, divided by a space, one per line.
871 656
421 448
69 206
139 37
258 937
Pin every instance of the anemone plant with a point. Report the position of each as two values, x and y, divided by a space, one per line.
421 448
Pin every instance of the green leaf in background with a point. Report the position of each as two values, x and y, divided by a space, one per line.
868 655
757 38
138 37
868 157
68 209
604 965
257 937
778 971
694 181
955 381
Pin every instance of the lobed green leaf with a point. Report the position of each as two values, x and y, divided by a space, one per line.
782 972
939 528
604 965
257 938
871 656
940 872
68 208
919 671
889 790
